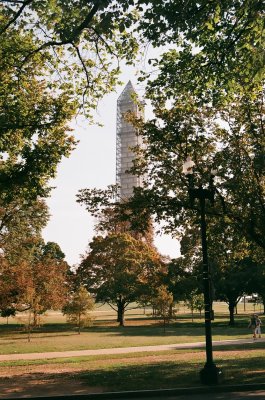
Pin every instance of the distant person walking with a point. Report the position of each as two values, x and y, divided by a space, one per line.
253 325
258 326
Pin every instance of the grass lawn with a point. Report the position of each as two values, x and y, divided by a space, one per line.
152 370
143 371
140 330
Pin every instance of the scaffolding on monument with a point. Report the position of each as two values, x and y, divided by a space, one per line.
126 138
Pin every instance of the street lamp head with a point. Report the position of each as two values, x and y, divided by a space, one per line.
187 167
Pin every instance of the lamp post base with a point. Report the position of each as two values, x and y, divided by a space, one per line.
211 374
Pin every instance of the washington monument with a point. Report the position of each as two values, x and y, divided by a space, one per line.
126 138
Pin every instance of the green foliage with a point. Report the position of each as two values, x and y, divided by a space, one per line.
117 217
219 47
183 277
232 263
21 225
208 102
33 120
258 284
234 145
195 301
57 58
53 250
8 312
81 41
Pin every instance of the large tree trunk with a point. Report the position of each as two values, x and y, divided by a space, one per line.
171 310
231 308
120 306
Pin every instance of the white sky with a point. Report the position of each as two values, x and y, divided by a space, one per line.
91 164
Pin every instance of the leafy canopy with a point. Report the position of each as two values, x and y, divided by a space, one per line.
118 267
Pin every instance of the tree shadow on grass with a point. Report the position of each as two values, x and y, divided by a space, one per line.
143 377
242 347
174 329
115 376
166 375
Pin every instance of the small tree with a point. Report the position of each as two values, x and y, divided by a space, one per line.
163 304
77 308
199 303
8 312
195 301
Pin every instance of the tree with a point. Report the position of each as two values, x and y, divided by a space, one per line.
8 290
21 223
233 263
207 96
199 302
83 42
20 235
195 301
33 120
118 269
217 47
182 277
8 312
232 282
48 279
53 250
58 58
34 282
163 304
77 308
114 216
258 281
235 149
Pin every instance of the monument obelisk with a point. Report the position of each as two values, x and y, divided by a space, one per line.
126 138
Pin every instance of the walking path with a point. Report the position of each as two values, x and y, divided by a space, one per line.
121 350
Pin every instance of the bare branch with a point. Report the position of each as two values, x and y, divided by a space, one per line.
17 15
105 43
83 65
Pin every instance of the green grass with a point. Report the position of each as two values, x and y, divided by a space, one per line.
172 374
140 330
170 369
143 370
50 339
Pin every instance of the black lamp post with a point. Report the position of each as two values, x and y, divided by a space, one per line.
210 374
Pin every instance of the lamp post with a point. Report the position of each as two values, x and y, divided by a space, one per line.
210 374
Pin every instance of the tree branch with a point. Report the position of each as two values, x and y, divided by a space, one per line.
71 38
13 1
84 68
16 16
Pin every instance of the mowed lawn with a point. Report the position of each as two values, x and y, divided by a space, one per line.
140 330
137 371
